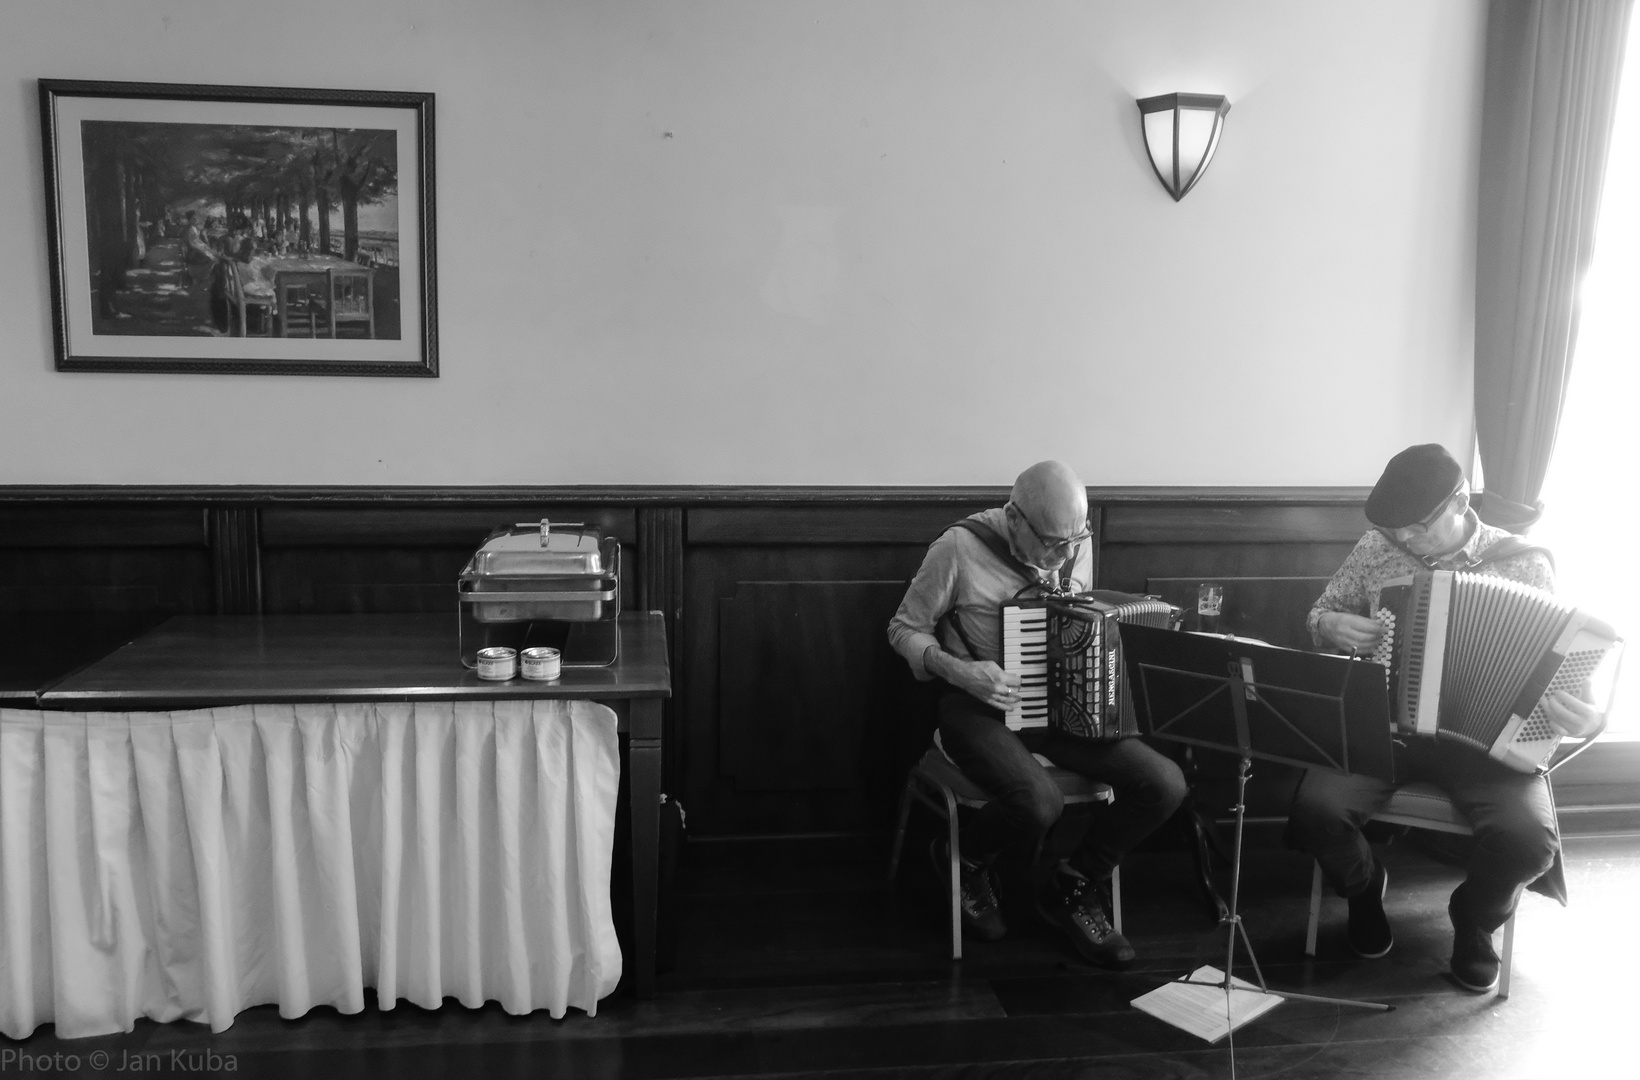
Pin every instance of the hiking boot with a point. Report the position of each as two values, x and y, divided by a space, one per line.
981 913
1074 905
1370 933
1475 963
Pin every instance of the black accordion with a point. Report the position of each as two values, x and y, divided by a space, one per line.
1472 656
1067 653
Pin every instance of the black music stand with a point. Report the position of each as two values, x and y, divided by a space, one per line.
1255 700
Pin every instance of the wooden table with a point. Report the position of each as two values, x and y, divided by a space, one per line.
197 661
39 649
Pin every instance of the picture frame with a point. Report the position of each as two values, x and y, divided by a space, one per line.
240 229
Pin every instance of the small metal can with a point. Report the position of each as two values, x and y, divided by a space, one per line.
541 664
497 663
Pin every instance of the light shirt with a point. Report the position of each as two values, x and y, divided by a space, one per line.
960 574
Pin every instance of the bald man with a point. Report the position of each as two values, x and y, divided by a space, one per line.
949 629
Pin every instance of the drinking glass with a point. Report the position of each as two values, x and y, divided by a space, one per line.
1209 600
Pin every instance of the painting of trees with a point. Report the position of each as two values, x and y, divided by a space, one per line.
141 179
245 230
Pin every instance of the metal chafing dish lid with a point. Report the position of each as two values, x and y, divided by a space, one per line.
539 549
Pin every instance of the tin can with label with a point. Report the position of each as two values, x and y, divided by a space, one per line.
497 663
541 664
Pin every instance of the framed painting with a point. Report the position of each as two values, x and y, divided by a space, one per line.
240 229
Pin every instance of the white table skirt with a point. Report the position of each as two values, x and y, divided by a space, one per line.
188 865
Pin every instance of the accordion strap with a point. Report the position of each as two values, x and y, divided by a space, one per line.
998 547
1511 546
1507 548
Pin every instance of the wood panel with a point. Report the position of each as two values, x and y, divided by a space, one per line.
77 578
800 669
1129 566
730 673
660 588
236 560
828 524
1185 523
108 525
308 525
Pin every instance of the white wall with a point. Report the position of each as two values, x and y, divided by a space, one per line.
825 242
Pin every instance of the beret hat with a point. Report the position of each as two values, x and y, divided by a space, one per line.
1415 483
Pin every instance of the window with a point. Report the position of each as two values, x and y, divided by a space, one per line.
1592 492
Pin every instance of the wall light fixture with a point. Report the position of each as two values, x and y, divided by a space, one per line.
1181 133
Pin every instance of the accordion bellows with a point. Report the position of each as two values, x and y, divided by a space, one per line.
1472 657
1067 653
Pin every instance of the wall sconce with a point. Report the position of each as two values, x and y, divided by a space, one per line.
1181 133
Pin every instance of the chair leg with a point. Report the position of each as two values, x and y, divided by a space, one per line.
1315 911
1116 897
1508 957
955 878
899 830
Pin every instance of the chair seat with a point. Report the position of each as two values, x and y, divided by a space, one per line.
941 771
1424 806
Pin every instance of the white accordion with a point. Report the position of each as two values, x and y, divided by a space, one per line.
1472 656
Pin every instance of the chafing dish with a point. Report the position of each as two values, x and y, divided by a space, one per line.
543 583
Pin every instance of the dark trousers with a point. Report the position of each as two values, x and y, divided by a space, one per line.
1515 835
1026 803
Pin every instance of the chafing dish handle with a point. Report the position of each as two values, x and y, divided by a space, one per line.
545 525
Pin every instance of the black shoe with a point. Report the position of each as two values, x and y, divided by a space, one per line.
1370 933
1073 904
981 914
1475 963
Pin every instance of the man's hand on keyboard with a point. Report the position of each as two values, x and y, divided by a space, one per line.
989 683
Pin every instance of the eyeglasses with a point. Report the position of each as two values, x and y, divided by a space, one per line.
1053 543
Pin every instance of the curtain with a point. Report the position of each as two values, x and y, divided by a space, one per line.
190 865
1552 70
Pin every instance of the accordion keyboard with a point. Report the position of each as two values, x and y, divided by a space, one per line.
1025 653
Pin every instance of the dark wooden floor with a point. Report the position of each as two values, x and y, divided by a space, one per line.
792 967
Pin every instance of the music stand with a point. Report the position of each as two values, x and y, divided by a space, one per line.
1255 700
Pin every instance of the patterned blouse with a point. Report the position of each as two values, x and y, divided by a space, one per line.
1375 562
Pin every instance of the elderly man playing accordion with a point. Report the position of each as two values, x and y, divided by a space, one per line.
948 628
1420 507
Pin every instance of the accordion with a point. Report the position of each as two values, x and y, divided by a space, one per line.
1472 656
1068 655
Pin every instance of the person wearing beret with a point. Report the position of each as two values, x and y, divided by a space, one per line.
1420 509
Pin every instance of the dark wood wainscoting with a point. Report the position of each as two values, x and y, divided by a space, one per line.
799 717
790 715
